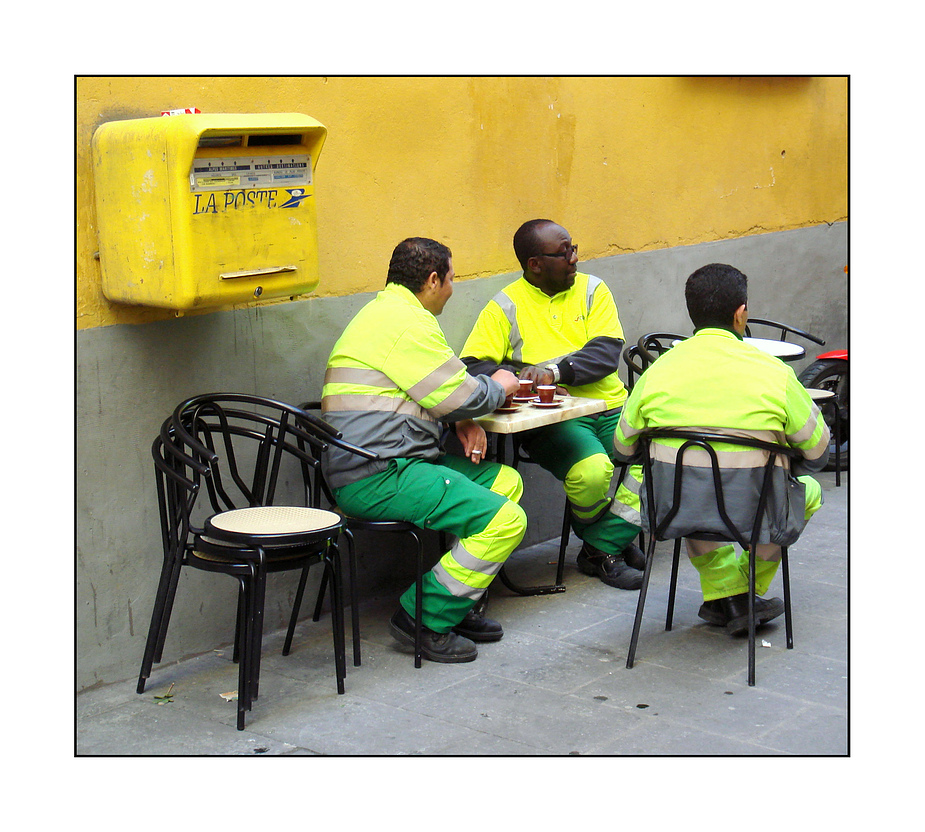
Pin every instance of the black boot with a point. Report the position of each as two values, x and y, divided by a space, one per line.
611 569
437 647
634 556
477 627
732 612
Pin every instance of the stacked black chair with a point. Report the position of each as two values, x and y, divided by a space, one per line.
220 461
659 517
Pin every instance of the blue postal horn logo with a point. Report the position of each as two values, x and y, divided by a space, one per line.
296 195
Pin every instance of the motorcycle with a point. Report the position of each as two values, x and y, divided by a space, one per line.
830 372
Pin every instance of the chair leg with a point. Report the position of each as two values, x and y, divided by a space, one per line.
260 595
173 582
640 604
837 424
156 625
785 576
751 613
239 626
354 597
563 544
337 614
418 601
303 578
246 624
673 585
322 588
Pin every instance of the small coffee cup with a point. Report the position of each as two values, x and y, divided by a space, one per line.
546 392
526 388
509 401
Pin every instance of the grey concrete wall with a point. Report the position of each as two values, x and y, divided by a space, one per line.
131 377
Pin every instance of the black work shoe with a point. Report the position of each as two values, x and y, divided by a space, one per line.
436 647
476 627
611 569
732 612
634 556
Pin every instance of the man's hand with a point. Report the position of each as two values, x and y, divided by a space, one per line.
538 375
507 380
472 436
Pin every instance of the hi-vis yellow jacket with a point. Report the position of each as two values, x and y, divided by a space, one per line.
390 381
579 330
716 382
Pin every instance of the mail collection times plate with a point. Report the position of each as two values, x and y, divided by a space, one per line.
253 172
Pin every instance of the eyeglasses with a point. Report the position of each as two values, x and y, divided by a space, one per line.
567 254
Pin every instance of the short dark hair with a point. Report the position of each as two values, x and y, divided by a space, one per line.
414 259
713 293
526 240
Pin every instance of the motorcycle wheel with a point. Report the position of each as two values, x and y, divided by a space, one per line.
831 374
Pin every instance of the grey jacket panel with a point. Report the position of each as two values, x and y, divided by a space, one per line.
784 519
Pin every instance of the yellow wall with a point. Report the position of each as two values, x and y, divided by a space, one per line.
626 164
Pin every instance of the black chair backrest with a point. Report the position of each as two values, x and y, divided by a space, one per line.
331 437
247 444
784 329
635 365
179 479
660 520
654 344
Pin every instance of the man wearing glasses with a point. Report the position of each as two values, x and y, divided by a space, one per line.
556 325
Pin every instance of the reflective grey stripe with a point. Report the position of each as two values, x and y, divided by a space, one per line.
805 433
630 482
626 512
599 509
746 458
593 283
509 308
457 398
468 561
365 402
434 380
358 375
698 458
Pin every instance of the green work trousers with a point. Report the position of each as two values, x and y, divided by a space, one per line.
476 503
578 452
724 573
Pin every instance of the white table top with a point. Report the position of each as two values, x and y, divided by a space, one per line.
781 349
528 417
818 395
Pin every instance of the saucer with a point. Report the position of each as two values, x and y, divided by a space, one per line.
512 409
546 404
523 399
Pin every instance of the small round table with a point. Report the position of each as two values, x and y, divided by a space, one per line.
784 350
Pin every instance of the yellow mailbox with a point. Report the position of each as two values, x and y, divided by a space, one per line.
205 210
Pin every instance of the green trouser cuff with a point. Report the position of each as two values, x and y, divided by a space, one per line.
720 573
610 534
441 610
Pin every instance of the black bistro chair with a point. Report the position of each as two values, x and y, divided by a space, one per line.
635 365
220 461
783 330
391 527
653 344
746 533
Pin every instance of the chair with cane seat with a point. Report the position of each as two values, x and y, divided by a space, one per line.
239 451
751 522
